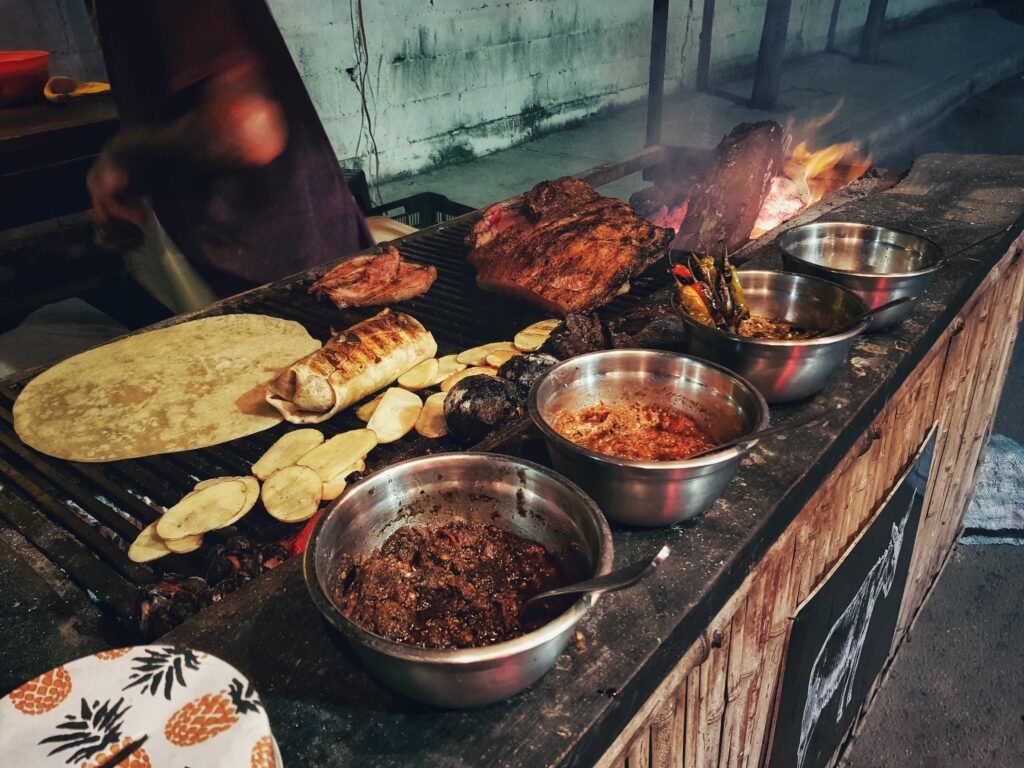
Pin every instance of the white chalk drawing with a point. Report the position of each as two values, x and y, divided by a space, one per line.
836 664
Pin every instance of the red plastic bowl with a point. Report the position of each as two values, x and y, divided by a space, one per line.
23 75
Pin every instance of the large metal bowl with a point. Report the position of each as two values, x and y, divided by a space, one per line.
524 498
784 371
878 264
649 493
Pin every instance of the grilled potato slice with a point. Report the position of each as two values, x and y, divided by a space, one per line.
252 493
288 449
365 411
396 414
147 546
498 359
334 488
185 545
430 422
532 337
420 376
455 378
341 451
215 506
292 494
478 355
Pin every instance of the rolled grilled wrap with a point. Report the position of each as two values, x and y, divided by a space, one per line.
352 365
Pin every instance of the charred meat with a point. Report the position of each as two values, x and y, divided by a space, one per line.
577 335
373 280
563 247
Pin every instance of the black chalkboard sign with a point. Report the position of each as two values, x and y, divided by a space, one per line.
843 632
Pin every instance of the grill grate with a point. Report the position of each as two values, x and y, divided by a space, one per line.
83 516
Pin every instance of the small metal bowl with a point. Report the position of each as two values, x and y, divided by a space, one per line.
524 498
649 493
784 371
878 264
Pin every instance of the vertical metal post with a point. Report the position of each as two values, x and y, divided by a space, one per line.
833 23
771 54
656 82
871 39
707 23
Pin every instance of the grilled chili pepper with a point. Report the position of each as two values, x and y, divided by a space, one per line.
691 296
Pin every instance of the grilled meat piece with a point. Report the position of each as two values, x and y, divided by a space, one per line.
374 280
563 247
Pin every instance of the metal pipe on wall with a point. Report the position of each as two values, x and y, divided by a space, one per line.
871 38
656 81
707 23
771 54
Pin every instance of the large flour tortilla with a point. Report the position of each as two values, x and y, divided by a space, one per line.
174 389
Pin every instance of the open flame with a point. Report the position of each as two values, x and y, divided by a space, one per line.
808 175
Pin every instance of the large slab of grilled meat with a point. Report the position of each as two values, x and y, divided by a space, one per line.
563 247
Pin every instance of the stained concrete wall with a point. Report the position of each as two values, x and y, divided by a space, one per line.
448 79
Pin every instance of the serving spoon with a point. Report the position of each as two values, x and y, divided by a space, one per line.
610 582
860 317
799 421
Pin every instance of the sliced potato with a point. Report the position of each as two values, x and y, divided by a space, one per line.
292 494
395 415
498 359
431 419
207 509
252 493
365 411
288 449
334 488
420 376
532 337
147 546
341 451
455 378
478 355
185 545
448 365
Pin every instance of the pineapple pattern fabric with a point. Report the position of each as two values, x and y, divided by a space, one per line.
167 706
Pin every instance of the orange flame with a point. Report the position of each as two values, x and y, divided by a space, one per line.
808 175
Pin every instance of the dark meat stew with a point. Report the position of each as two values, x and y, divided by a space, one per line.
459 585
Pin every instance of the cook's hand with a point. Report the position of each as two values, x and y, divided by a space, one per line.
118 215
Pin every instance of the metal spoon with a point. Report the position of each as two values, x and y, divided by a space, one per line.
799 421
859 318
610 582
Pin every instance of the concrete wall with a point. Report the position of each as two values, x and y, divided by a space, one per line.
448 79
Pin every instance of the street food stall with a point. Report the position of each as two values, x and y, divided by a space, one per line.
692 666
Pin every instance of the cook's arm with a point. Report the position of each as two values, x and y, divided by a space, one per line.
234 124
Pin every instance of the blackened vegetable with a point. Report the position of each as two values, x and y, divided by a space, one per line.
477 405
524 370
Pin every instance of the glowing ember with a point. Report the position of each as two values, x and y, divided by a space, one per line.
807 177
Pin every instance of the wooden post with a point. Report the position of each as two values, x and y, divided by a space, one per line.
771 54
871 39
656 82
707 23
833 22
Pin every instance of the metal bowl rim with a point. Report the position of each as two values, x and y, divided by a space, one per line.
456 656
818 341
854 273
709 460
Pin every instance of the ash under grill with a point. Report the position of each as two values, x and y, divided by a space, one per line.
90 513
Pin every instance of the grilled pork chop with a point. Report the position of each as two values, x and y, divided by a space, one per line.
563 247
375 279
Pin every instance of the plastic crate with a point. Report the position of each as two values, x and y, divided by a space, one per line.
422 210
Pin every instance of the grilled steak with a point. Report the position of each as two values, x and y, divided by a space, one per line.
563 247
373 280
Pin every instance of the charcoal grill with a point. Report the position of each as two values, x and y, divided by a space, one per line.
83 516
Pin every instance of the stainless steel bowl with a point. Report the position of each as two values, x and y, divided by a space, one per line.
784 370
649 493
521 497
878 264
